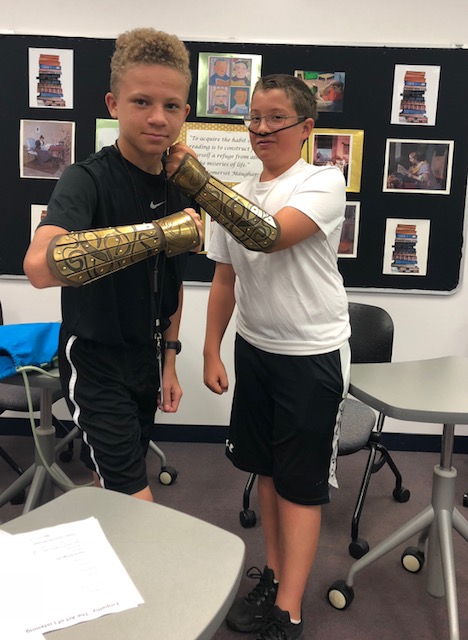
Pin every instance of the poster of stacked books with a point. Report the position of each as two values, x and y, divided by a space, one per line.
413 101
406 247
49 86
404 255
415 95
51 78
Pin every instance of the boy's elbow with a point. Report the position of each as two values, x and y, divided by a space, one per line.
38 275
35 264
36 281
39 283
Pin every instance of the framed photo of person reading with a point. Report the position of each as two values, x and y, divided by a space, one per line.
418 166
225 83
47 147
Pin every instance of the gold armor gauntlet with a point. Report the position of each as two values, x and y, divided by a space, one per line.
247 223
82 257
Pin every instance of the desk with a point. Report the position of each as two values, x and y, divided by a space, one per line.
433 391
187 571
42 483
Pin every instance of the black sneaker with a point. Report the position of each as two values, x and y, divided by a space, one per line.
279 627
250 613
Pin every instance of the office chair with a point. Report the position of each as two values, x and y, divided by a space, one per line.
13 398
371 341
43 391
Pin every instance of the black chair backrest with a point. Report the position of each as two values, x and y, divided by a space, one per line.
371 333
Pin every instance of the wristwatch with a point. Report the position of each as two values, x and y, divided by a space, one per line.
173 344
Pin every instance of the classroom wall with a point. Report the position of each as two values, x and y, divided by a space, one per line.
426 326
431 23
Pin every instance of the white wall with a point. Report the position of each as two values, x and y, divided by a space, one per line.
433 22
426 326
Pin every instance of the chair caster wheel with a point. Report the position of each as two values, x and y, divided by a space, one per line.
401 495
340 595
20 498
358 548
247 518
167 475
66 456
412 559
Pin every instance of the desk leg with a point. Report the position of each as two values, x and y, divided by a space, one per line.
444 524
460 524
443 500
435 523
441 577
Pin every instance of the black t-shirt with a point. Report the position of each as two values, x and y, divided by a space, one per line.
107 191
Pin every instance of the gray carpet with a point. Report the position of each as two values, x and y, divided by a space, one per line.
389 603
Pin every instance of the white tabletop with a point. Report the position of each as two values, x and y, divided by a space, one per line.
434 390
187 570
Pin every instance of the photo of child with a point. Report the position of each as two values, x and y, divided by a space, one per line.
225 82
239 100
218 100
219 71
241 73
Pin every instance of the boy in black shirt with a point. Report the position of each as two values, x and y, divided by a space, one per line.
108 342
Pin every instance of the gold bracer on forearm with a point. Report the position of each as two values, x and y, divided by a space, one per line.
81 257
247 223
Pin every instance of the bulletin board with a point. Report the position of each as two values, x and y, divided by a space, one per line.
397 235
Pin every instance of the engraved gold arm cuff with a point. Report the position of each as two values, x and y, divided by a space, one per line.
180 233
248 224
81 257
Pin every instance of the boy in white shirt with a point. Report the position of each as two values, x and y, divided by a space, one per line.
292 353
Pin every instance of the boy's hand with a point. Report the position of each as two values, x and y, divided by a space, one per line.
175 156
214 375
170 394
199 222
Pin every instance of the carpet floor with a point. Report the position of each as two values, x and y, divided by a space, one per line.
389 602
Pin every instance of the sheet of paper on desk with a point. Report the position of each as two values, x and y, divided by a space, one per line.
60 576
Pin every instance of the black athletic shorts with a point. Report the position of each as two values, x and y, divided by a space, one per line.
112 394
285 419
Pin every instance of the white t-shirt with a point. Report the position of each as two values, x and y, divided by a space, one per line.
293 301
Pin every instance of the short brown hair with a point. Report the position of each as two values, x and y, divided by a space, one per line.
148 46
297 91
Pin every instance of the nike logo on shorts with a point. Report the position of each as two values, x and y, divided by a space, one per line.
155 206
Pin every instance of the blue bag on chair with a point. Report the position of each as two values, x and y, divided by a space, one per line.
33 344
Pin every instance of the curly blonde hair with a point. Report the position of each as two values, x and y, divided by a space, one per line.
148 46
